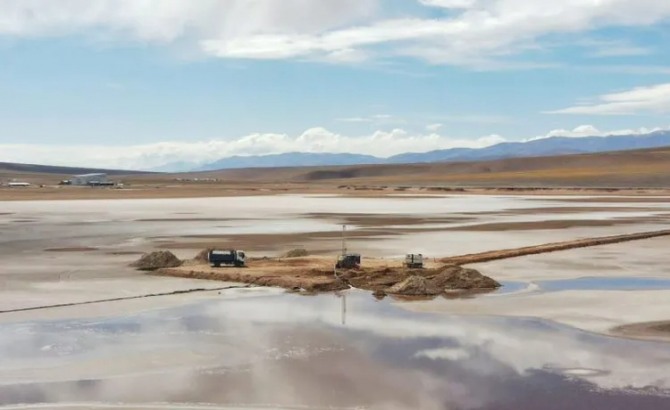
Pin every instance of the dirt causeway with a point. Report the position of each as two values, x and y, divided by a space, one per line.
551 247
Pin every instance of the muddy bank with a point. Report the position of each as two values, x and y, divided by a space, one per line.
556 224
72 249
649 330
309 274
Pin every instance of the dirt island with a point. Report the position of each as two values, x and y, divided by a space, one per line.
317 274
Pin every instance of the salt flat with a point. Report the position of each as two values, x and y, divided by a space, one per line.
227 349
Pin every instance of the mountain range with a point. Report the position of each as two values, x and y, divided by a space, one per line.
532 148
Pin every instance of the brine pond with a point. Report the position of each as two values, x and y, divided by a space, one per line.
263 348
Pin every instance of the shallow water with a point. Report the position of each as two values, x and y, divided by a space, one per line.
265 349
584 283
604 283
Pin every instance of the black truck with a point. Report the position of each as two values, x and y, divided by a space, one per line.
231 257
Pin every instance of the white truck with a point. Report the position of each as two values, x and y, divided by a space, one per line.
414 261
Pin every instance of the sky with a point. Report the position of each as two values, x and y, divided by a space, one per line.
143 83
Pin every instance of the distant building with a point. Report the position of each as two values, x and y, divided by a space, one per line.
89 179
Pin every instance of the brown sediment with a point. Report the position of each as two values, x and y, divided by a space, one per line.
312 277
565 210
648 330
551 247
269 242
121 253
617 199
371 220
374 229
72 249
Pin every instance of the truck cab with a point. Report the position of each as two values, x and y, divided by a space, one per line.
230 257
348 261
414 261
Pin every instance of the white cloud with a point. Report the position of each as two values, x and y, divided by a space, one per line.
315 140
591 131
481 33
653 99
612 48
450 4
148 156
433 127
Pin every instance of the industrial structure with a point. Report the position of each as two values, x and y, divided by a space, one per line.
90 180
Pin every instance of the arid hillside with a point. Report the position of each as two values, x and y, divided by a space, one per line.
624 169
640 168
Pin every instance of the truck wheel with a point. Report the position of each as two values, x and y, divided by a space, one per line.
217 265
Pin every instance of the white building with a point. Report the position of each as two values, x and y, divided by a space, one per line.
89 179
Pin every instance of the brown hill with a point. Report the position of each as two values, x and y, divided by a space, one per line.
639 168
648 168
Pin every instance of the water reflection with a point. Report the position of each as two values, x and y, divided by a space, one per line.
287 351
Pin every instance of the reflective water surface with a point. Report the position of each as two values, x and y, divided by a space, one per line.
261 348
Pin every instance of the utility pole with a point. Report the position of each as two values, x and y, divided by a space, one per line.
344 243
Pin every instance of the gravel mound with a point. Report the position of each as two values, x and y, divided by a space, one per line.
446 279
157 260
296 253
203 256
414 286
458 278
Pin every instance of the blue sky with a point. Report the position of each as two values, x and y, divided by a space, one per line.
141 83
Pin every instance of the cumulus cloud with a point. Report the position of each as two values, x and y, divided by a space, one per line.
449 4
433 127
591 131
313 140
653 99
473 32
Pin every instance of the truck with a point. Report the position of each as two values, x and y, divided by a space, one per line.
348 261
414 261
232 257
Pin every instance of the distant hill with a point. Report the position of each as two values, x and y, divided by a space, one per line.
291 159
534 148
541 147
634 168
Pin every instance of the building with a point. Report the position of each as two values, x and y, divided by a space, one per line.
15 184
89 179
